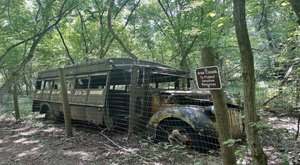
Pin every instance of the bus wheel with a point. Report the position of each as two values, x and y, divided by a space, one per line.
178 132
49 114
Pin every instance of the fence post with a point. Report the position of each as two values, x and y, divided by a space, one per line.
65 103
221 109
133 96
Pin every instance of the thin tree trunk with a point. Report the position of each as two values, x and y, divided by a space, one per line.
297 105
65 45
221 111
15 98
65 103
296 7
27 85
84 35
247 62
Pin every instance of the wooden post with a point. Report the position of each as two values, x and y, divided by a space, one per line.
133 96
221 109
15 98
65 103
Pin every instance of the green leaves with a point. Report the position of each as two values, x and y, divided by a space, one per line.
231 142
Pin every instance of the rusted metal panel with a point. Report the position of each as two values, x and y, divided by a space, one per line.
192 115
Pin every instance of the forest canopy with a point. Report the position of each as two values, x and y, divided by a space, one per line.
37 35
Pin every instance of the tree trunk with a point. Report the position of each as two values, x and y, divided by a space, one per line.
296 7
221 109
65 103
84 36
247 63
15 97
184 66
297 104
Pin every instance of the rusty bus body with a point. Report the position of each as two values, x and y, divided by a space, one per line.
158 96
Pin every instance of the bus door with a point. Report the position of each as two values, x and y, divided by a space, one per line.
139 104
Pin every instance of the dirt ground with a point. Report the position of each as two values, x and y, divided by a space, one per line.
37 141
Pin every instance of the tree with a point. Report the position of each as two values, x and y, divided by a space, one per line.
183 20
110 28
221 111
43 23
247 63
15 98
296 7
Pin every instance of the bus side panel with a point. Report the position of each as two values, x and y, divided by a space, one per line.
94 115
77 112
97 97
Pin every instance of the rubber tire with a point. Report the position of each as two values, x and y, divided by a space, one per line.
49 115
198 143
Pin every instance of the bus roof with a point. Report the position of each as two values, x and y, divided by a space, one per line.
124 64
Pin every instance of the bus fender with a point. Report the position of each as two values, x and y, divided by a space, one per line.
192 115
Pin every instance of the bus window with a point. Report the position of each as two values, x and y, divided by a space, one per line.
70 84
48 85
98 81
81 83
38 85
56 85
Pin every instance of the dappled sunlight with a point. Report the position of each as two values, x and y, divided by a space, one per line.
128 151
44 143
81 154
30 132
37 148
287 123
52 129
30 142
26 153
20 140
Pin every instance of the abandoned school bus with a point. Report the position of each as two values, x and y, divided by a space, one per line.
139 95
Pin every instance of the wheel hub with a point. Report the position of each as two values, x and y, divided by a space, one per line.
178 136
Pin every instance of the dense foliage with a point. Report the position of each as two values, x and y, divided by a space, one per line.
43 34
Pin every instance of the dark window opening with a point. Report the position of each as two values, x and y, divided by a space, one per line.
81 83
55 86
98 81
38 85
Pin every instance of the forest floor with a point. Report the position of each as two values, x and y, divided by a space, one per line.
37 141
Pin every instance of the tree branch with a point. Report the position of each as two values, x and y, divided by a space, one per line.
36 39
65 45
109 24
62 14
167 14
